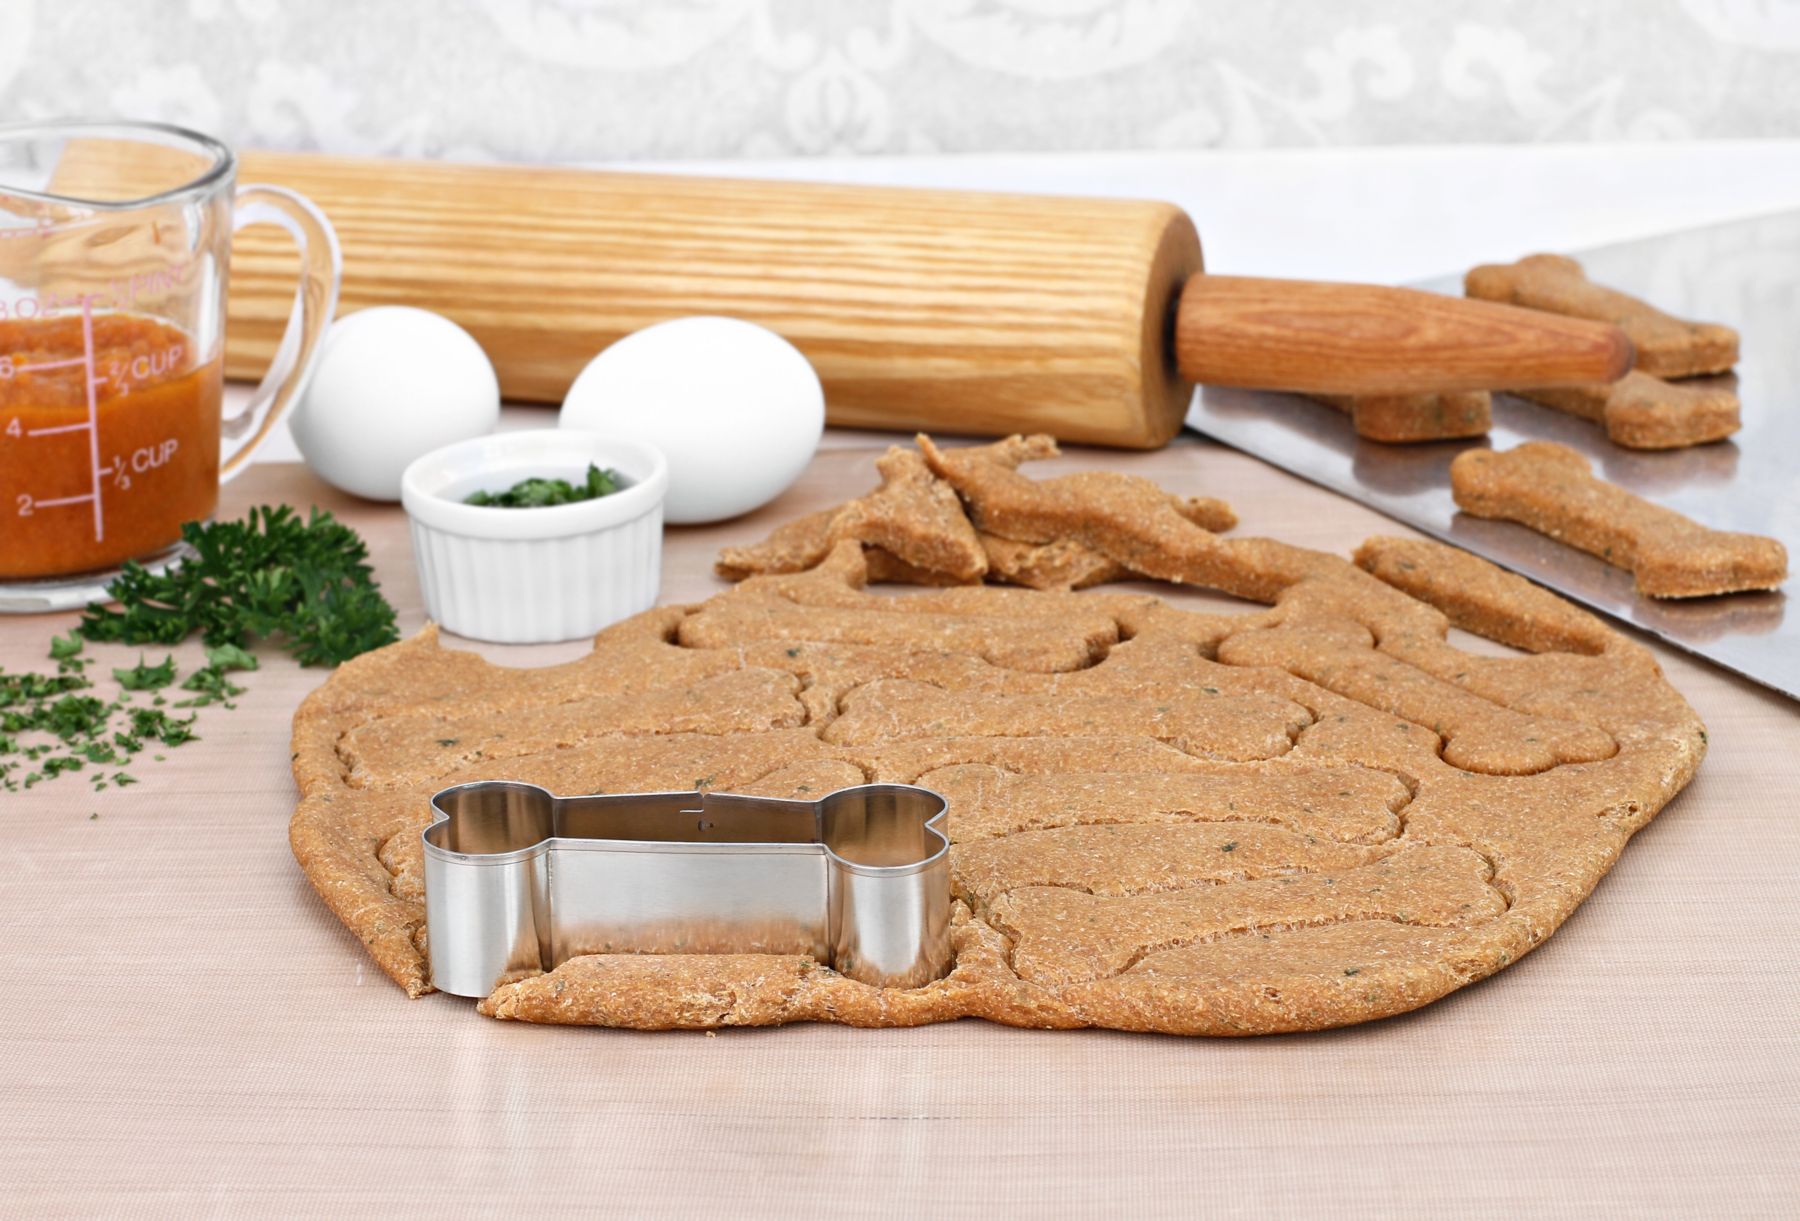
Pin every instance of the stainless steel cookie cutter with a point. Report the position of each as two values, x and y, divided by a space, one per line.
519 880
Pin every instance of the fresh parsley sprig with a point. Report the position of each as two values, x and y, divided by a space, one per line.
305 582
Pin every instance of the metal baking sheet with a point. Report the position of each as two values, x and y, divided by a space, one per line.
1747 274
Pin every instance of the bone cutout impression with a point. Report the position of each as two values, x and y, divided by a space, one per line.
1164 817
518 880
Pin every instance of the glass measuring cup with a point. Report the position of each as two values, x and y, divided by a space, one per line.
115 239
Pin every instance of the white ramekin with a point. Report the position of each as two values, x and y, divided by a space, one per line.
518 576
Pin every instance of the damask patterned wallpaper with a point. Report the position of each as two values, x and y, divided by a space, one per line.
586 80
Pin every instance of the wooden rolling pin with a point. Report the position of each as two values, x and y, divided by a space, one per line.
943 310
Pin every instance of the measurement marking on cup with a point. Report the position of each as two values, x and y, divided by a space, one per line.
120 376
10 368
93 406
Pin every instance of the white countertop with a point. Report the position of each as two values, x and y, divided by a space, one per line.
1388 215
224 1046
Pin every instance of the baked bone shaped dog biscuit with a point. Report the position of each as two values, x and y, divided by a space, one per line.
1401 418
1666 346
1551 489
1644 412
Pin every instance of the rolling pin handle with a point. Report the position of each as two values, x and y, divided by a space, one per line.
1326 338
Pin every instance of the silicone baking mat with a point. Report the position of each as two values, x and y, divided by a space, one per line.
1745 273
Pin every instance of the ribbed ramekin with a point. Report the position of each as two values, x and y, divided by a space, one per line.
519 576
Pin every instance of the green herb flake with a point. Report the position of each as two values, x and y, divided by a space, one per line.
213 688
142 677
543 493
305 582
229 657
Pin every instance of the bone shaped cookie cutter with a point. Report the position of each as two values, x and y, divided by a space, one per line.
519 880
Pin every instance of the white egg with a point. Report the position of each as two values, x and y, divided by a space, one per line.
734 407
393 383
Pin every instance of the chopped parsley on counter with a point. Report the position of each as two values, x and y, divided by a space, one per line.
305 583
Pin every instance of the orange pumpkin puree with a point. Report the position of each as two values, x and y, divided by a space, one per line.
152 458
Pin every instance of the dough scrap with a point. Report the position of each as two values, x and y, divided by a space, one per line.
935 552
912 520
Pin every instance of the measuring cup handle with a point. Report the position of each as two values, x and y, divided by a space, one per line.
315 301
